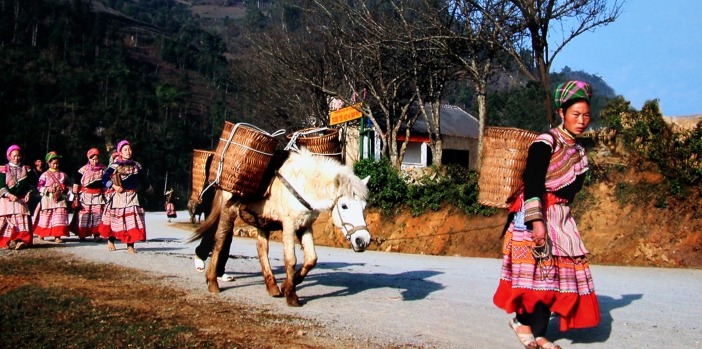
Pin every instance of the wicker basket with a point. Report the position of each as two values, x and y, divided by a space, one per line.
242 157
504 158
321 141
201 166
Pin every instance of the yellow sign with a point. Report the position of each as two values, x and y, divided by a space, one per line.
345 114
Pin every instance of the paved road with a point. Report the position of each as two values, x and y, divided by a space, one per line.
435 302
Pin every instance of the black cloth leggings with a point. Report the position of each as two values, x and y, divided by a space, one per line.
205 247
538 320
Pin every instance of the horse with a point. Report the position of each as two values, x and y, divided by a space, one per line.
302 187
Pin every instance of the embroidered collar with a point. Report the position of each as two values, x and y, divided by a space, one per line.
94 168
565 136
13 165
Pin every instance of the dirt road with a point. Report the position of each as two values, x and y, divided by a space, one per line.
392 300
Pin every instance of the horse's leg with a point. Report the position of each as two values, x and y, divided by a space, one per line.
268 278
288 286
307 242
224 228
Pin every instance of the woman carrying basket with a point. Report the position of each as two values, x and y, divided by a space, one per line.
90 198
544 266
53 211
124 217
15 224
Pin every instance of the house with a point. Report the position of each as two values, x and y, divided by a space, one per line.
459 132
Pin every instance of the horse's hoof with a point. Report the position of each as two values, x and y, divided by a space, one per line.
293 301
213 287
274 291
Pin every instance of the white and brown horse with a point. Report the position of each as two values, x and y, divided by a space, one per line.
305 185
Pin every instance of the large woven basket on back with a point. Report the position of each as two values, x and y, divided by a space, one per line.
201 166
242 155
504 157
321 141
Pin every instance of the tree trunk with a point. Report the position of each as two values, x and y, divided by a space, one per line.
14 32
481 91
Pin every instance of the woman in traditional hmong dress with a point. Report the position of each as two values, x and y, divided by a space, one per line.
15 223
90 198
170 207
544 266
53 210
124 217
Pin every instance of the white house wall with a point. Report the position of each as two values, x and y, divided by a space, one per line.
463 143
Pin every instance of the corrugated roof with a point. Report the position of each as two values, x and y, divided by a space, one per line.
454 122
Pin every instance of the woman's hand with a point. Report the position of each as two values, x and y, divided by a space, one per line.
117 188
538 233
11 197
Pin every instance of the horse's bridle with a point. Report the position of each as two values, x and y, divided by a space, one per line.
354 228
349 232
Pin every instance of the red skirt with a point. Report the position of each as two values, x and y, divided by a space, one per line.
52 222
563 284
126 224
86 222
15 227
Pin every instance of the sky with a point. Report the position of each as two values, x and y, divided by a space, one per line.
652 51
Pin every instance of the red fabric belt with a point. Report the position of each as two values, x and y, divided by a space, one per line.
92 190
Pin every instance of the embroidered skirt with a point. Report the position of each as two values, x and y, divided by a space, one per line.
14 222
124 219
87 221
52 222
562 283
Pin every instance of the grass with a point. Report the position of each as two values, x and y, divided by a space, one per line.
35 316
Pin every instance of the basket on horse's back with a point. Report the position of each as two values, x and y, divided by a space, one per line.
320 141
242 155
505 152
201 164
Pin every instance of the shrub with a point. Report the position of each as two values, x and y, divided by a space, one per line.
388 191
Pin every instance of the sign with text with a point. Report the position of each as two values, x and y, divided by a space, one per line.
345 114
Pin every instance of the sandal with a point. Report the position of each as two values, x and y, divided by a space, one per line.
527 339
131 249
97 238
58 240
547 344
20 245
225 278
111 246
199 264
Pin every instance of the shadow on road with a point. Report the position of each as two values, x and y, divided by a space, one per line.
597 334
413 284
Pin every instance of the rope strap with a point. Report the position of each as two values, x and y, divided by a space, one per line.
292 145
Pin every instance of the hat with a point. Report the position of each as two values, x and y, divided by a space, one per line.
92 152
570 90
11 149
50 156
121 144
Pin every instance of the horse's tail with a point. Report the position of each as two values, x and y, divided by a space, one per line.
209 226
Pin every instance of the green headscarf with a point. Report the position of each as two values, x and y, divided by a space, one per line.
50 156
572 90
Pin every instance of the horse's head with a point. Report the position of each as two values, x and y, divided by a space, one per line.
347 212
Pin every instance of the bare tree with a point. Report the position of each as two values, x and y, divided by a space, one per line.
538 17
358 56
470 40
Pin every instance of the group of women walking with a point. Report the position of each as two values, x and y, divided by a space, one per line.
104 200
